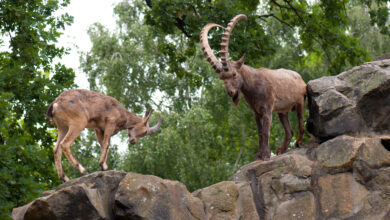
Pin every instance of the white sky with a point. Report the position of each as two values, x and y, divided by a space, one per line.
75 37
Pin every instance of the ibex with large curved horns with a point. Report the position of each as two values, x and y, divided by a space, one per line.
265 90
76 109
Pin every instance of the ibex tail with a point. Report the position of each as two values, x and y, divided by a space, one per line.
49 113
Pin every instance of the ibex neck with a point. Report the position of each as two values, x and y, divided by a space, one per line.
248 79
132 120
253 79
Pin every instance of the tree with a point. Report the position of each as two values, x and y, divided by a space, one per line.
29 80
319 28
370 36
139 62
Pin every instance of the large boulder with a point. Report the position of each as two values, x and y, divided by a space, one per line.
115 195
281 186
340 195
354 102
150 197
228 200
383 57
88 197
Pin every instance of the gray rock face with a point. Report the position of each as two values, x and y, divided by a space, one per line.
343 178
150 197
383 57
115 195
228 200
354 102
88 197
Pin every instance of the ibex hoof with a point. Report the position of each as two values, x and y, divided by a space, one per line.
280 150
104 166
82 170
64 178
263 156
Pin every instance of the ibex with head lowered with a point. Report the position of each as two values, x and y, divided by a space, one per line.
76 109
265 90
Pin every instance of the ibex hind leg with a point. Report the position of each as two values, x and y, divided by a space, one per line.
301 129
66 143
288 133
62 130
105 144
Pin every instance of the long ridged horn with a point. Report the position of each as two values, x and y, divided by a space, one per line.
225 40
157 126
204 42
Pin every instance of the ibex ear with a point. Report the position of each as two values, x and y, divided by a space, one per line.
241 61
147 115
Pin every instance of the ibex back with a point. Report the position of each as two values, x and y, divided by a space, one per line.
265 90
76 109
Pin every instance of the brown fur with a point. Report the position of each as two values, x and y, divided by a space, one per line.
265 90
76 109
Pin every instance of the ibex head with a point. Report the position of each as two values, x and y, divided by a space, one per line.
229 71
142 129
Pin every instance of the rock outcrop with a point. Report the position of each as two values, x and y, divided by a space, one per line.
343 178
355 102
345 175
88 197
150 197
383 57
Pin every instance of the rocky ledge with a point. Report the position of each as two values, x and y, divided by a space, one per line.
343 178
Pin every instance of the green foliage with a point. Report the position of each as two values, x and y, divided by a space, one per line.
371 37
319 27
29 81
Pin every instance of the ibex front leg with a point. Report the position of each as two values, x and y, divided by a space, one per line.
66 143
104 140
99 136
62 130
263 128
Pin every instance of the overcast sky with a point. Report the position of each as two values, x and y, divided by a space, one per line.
75 37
